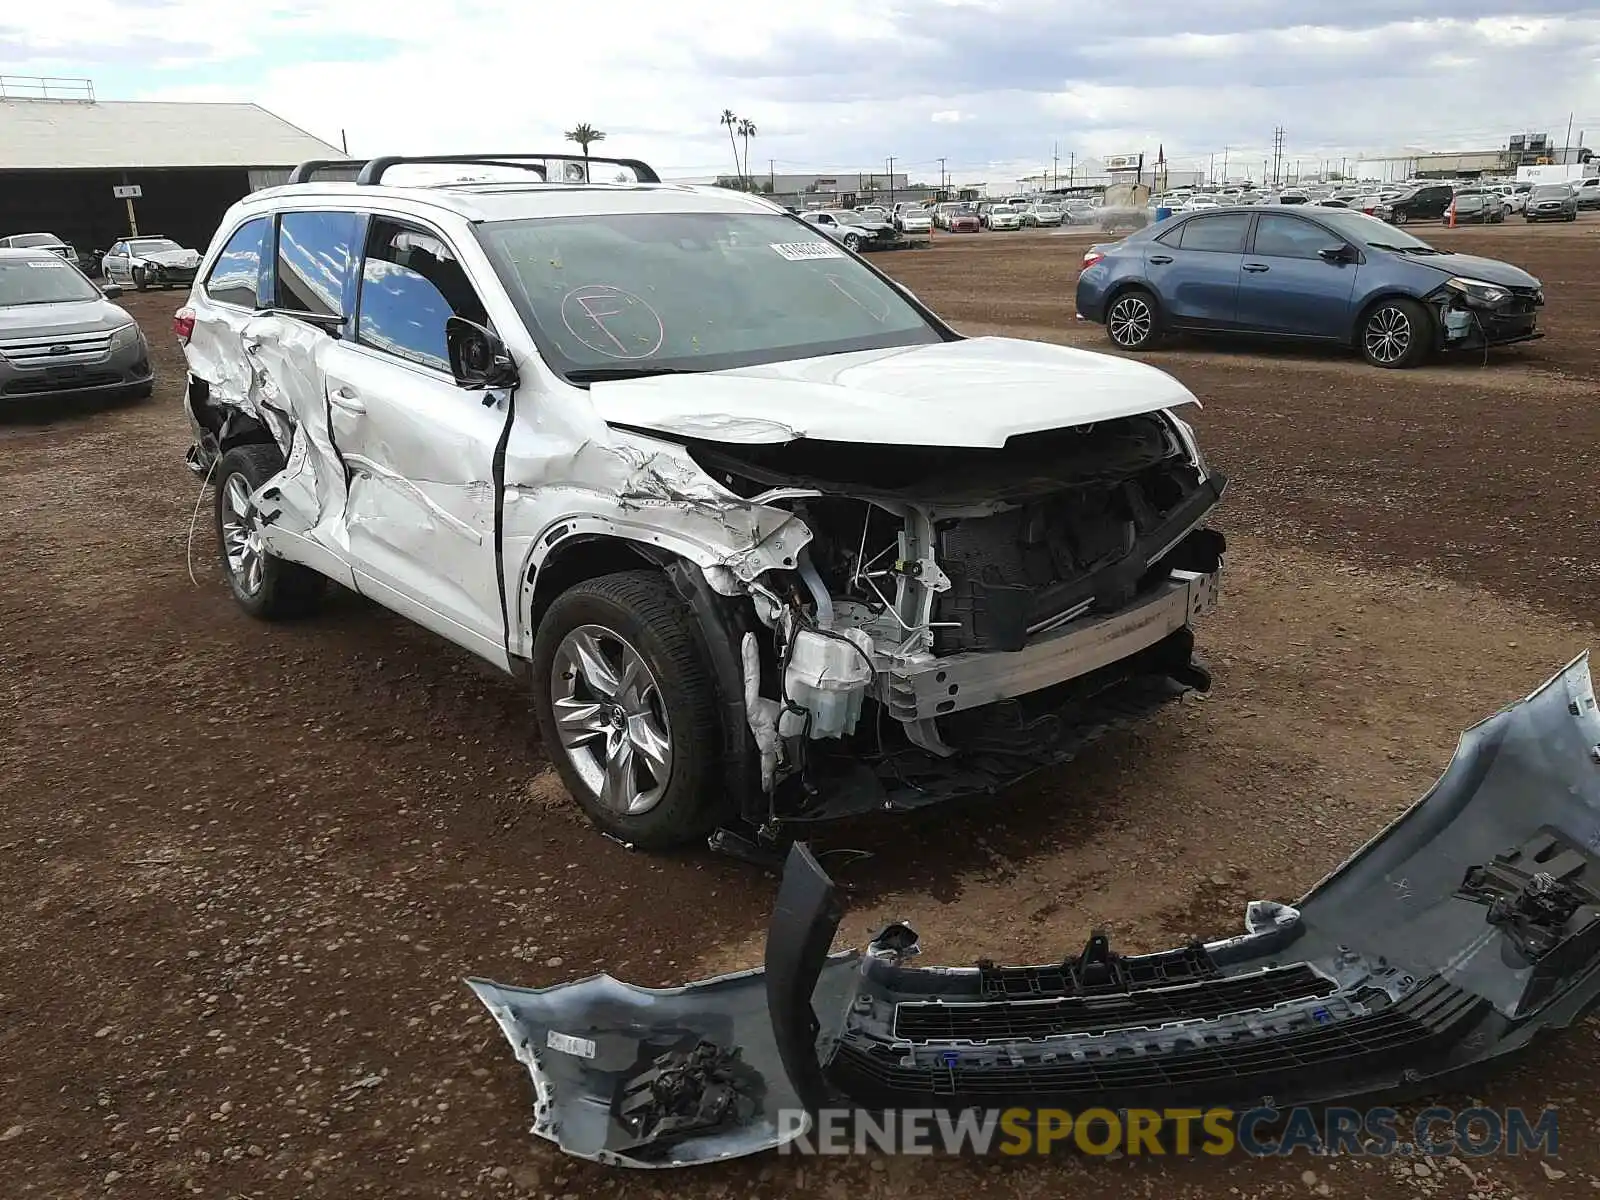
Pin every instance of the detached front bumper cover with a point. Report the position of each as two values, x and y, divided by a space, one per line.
1451 939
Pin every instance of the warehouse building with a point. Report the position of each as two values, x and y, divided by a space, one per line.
67 160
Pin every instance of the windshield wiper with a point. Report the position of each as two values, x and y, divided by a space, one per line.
607 374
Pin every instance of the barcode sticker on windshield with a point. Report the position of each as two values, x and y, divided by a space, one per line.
567 1044
804 251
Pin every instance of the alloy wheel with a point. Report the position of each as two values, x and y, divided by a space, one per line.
612 719
240 541
1130 321
1388 334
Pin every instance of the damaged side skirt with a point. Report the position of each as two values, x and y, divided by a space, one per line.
1463 929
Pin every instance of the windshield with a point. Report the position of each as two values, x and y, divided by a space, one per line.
848 218
23 241
1369 231
1003 208
152 245
1550 191
42 281
658 292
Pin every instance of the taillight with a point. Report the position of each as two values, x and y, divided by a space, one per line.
183 324
1091 258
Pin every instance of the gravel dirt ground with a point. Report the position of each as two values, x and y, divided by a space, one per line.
243 867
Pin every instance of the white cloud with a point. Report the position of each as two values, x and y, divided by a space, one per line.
994 86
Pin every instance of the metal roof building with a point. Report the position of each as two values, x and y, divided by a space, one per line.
62 152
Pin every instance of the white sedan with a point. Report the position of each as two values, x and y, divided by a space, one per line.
146 262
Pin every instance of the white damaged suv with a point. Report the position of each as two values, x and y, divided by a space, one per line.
769 541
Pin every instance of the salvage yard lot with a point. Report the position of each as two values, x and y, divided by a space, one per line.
243 868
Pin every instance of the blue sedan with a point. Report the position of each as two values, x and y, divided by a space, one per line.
1312 275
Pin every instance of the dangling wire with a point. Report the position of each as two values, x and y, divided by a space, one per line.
188 550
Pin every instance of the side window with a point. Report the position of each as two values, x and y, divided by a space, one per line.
315 250
1222 234
236 275
118 249
1286 237
411 284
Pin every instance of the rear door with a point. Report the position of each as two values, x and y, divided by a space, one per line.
421 451
1287 287
1195 269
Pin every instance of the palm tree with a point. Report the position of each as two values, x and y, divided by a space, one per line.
747 130
732 122
585 134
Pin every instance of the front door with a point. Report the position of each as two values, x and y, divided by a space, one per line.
115 264
1287 287
420 451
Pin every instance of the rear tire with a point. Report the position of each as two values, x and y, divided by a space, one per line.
265 586
1133 320
641 757
1396 333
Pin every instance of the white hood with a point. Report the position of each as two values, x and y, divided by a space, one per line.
169 258
978 392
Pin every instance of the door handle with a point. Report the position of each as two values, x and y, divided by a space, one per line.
344 398
1160 259
1257 267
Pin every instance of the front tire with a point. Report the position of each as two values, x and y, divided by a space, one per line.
1132 320
627 709
139 283
852 243
265 586
1395 334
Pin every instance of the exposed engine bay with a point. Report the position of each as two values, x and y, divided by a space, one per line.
968 601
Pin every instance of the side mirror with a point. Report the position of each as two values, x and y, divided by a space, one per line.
1334 254
478 359
111 291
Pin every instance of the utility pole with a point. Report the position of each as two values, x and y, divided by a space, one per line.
772 176
941 177
1566 143
1055 166
1277 156
891 182
1211 172
1225 164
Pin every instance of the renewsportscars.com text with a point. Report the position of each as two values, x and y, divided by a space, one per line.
1471 1132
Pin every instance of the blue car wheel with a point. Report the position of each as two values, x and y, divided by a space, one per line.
1131 320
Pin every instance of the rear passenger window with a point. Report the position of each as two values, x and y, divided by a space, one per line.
236 275
1223 233
411 284
314 255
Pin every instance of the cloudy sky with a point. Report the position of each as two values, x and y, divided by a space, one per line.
993 86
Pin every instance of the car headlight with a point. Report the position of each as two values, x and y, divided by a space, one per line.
1190 443
1477 290
125 335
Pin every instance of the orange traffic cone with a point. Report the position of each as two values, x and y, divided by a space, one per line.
1452 221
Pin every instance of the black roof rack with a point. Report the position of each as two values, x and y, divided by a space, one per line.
306 170
372 171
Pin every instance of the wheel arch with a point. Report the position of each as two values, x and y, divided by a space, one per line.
1390 293
574 552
